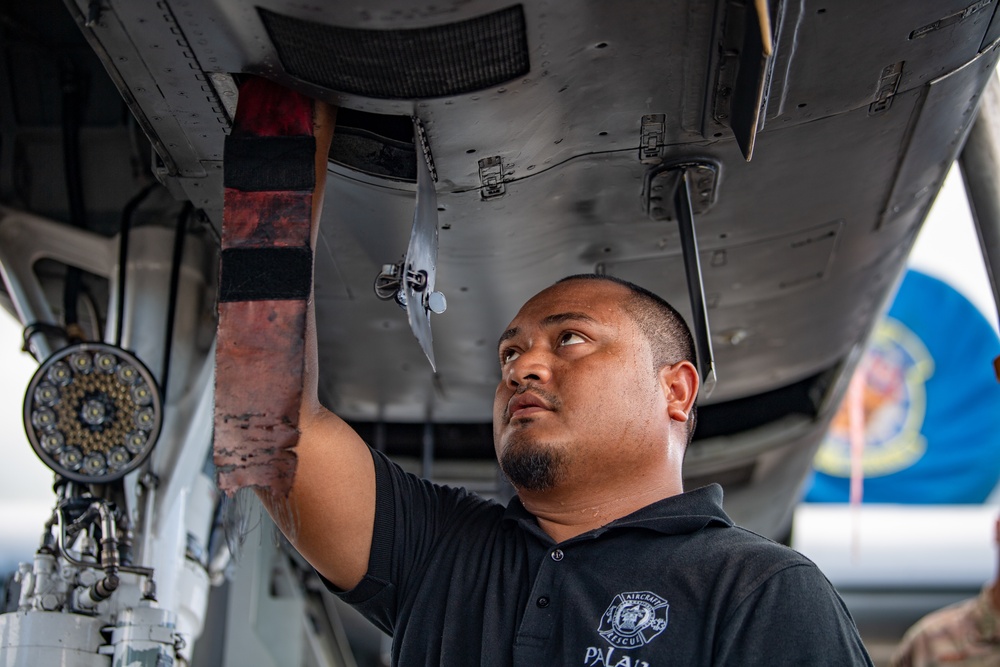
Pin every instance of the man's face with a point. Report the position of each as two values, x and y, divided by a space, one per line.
579 395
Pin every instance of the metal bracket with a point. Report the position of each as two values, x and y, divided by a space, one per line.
678 180
887 84
661 182
420 134
744 74
652 138
388 287
950 19
696 288
491 177
411 281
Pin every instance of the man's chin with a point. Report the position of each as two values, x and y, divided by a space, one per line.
529 465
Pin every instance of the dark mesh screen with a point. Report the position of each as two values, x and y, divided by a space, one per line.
403 64
744 414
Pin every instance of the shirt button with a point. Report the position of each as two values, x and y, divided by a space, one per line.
558 555
543 602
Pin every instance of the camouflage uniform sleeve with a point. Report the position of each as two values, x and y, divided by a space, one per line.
965 633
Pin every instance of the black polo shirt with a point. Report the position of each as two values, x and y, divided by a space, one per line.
459 580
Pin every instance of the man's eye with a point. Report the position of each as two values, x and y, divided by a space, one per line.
570 338
509 355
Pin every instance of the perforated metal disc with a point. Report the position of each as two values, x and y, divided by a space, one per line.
92 412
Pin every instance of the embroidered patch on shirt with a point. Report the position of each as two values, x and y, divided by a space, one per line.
634 619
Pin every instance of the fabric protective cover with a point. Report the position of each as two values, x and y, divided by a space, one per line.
265 281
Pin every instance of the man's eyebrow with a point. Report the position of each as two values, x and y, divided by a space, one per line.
557 318
506 335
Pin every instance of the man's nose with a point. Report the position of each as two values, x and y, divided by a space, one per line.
531 366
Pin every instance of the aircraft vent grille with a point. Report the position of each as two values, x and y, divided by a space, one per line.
435 61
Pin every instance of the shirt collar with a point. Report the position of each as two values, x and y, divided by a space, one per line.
676 515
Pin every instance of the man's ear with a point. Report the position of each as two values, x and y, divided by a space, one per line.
679 383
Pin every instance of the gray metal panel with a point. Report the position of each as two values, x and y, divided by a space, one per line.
936 138
835 56
849 134
567 136
587 212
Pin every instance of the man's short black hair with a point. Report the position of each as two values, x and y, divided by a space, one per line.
668 334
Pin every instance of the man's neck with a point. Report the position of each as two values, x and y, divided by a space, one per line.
563 514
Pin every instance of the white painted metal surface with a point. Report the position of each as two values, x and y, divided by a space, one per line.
50 639
884 547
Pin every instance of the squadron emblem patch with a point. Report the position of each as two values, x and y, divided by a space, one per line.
896 369
633 619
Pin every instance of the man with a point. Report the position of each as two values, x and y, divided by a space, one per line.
601 559
965 634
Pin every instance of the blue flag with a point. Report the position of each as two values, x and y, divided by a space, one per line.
931 405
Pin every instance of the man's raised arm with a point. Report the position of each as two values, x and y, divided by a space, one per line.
312 471
331 506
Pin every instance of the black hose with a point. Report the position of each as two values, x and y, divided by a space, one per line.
74 97
175 277
43 328
126 227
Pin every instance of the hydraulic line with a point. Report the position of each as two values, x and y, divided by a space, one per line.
175 274
123 235
103 589
74 97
